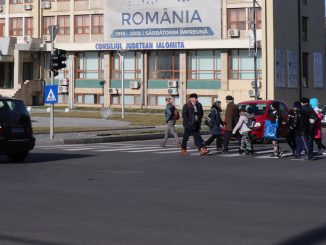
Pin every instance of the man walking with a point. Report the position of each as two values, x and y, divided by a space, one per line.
170 119
309 116
231 119
192 114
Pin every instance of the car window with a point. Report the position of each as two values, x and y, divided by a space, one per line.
254 109
282 108
17 107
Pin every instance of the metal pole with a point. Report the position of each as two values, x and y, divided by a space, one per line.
122 64
52 83
255 50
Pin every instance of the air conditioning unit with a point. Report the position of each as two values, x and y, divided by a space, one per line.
172 84
63 89
251 93
46 38
63 82
113 91
173 91
28 6
258 84
1 8
28 39
45 4
234 32
134 85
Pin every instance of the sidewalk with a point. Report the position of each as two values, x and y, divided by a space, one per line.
117 131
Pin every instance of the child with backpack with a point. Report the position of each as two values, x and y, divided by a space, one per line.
244 126
171 115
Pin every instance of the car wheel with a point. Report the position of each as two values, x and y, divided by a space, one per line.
17 156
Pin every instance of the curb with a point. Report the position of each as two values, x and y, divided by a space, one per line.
108 139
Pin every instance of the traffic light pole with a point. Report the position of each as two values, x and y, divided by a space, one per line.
255 50
122 64
52 83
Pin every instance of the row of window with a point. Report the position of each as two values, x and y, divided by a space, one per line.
164 65
153 100
2 2
84 24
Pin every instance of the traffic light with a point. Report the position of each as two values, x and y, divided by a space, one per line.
57 61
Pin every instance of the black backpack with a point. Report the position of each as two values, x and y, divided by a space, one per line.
251 123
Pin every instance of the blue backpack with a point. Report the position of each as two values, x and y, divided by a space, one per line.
270 129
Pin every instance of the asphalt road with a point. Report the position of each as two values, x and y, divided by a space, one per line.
134 193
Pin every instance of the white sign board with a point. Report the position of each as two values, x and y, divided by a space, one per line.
148 20
318 70
280 66
292 62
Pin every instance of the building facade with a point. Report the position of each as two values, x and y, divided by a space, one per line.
169 48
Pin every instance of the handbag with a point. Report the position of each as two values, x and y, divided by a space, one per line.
208 121
270 130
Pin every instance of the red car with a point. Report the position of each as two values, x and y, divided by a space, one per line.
262 111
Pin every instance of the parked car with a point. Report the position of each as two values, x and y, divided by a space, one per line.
16 134
262 111
323 121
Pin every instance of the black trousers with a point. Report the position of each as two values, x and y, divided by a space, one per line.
218 141
197 138
226 141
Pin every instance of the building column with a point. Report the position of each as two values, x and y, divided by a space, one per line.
71 88
107 75
18 69
183 78
144 81
224 70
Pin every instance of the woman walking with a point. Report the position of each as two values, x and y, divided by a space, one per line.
215 131
170 119
276 117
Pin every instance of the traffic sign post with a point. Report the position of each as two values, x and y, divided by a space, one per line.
53 32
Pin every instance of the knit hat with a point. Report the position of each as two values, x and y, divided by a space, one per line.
297 105
314 102
305 100
229 97
194 95
275 105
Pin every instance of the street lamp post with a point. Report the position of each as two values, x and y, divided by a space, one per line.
255 49
122 64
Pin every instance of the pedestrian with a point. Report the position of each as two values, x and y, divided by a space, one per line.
299 126
276 117
290 138
192 114
318 133
246 146
310 118
171 115
215 131
231 119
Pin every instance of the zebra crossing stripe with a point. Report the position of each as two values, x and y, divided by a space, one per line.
128 149
153 150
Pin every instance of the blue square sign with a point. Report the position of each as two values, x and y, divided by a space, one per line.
51 94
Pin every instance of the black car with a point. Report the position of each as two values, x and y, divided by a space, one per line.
16 134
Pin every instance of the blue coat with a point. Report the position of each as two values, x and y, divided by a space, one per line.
216 118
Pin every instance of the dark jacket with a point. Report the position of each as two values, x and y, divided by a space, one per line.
307 114
231 116
169 112
189 115
215 115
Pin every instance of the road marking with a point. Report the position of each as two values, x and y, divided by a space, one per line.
127 149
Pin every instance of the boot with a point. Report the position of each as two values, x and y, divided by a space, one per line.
320 151
162 144
203 151
184 152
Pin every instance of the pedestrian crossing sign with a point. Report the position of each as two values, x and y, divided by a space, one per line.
51 94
